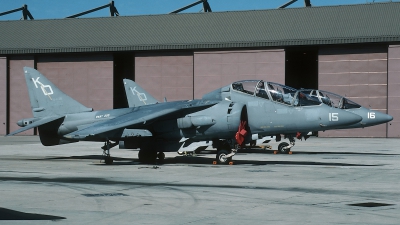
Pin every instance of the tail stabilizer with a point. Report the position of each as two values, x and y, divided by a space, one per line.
37 123
46 99
136 95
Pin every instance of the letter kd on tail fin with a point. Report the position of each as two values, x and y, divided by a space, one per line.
43 87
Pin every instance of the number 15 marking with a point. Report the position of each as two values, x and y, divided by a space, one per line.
333 116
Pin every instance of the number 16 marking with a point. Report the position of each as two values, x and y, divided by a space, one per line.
371 115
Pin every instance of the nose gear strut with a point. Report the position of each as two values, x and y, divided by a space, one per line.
284 147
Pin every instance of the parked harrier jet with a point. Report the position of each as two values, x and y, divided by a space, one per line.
266 109
369 117
60 119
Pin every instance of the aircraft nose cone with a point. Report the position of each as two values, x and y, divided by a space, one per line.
382 117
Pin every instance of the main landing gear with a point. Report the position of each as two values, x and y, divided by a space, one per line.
150 156
106 151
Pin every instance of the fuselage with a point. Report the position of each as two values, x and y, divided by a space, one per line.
277 109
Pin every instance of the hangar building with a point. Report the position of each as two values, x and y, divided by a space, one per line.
352 50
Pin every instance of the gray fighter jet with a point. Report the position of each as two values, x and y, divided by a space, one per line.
61 119
265 109
160 127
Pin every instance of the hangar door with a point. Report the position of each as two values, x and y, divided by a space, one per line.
359 74
3 95
167 75
213 70
20 106
394 90
86 78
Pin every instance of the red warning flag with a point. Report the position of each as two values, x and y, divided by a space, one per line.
241 133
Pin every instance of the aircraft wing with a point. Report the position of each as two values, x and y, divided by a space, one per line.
128 120
35 124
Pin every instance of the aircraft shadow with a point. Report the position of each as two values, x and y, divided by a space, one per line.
262 151
8 214
199 160
237 161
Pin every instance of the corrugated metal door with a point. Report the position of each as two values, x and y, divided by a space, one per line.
213 70
359 74
394 90
20 106
167 75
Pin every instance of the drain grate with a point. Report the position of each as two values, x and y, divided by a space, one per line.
370 204
105 195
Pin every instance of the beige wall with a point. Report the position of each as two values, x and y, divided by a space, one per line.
394 90
20 107
359 74
86 78
3 95
165 75
213 70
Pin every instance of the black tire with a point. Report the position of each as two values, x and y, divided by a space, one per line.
161 155
108 160
281 146
141 156
147 156
221 159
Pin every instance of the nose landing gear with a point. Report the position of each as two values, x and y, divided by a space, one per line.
284 147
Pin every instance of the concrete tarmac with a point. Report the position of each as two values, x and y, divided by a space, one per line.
324 181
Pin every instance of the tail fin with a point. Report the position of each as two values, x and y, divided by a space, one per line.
136 95
46 99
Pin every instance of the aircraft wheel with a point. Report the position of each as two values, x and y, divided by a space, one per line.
108 160
221 159
281 146
141 156
147 156
161 155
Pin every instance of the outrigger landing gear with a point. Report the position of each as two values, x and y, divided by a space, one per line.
106 151
284 147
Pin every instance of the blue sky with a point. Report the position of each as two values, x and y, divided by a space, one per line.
56 9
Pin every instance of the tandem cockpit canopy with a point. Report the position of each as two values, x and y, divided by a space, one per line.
274 92
332 99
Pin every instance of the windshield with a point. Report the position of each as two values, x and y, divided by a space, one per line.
275 92
332 99
303 99
246 86
281 93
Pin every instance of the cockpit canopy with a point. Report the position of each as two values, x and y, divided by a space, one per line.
332 99
274 92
